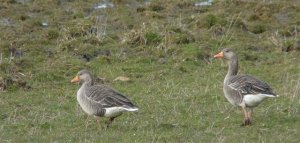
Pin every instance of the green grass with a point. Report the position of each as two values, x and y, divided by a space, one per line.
166 49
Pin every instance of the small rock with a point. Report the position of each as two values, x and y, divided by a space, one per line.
45 24
23 1
204 3
104 4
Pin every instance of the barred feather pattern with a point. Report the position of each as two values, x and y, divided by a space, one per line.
107 97
245 84
100 112
101 100
236 87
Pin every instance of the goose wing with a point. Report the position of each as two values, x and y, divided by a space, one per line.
246 84
107 97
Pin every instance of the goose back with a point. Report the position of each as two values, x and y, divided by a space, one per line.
107 96
245 84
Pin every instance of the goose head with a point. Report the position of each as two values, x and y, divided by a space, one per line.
227 54
83 76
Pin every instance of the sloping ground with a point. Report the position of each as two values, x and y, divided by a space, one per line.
165 48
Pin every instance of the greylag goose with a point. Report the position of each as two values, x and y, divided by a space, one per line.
100 100
243 90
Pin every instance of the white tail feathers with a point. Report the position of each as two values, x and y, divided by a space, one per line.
132 109
273 95
116 111
269 95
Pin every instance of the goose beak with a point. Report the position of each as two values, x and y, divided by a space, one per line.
220 55
75 79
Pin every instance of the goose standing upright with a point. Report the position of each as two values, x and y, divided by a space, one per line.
100 100
243 90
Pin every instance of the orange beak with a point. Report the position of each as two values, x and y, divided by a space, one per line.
220 55
75 79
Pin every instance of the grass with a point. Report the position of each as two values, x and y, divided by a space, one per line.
166 49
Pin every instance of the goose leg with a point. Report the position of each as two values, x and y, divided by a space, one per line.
110 120
250 116
98 121
247 118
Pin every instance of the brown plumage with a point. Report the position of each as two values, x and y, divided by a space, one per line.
243 90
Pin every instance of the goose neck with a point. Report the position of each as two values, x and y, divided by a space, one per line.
232 68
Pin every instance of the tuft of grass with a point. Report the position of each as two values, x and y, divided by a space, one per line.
152 38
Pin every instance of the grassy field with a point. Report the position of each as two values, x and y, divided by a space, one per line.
165 48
